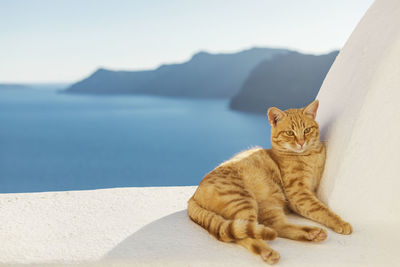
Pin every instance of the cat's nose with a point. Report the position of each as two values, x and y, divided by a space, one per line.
301 142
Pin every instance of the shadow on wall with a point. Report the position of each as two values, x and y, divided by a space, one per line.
324 136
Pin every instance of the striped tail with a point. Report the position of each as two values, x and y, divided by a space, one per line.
228 230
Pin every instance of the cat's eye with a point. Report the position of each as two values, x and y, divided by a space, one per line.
307 130
290 133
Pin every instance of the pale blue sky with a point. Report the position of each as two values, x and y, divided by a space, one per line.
65 40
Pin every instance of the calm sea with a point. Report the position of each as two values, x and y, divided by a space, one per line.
51 141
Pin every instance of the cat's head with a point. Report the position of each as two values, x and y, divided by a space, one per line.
294 130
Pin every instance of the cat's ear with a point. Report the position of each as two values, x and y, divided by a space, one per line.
311 109
274 115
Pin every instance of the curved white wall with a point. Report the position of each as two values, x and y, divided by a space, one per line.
360 117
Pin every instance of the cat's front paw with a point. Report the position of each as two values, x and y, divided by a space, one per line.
343 228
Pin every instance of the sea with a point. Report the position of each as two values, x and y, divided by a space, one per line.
52 141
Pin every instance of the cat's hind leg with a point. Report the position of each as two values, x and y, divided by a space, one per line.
274 216
244 208
260 247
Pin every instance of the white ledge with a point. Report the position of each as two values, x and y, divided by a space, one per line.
77 226
149 226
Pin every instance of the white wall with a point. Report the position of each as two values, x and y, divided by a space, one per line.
360 117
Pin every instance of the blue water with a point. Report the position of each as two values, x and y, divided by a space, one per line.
51 141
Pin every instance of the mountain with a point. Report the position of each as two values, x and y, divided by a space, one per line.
104 81
290 80
205 75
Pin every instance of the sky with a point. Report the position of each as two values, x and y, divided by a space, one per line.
66 40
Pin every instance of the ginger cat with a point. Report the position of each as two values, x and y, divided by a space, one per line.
244 200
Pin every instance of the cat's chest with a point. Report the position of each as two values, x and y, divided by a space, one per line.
305 169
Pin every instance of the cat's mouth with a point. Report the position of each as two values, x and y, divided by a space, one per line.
300 150
297 149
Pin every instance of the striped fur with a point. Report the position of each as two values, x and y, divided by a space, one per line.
244 200
228 230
